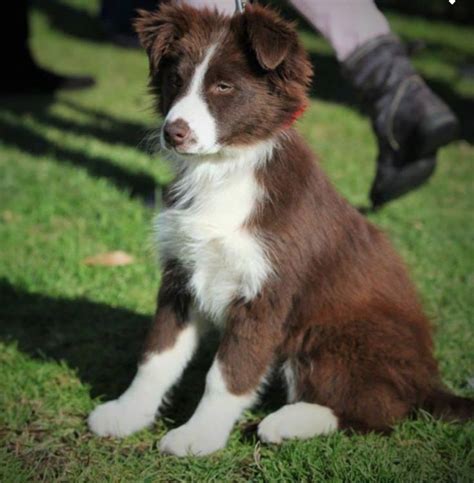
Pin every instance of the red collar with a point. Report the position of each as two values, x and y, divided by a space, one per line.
295 116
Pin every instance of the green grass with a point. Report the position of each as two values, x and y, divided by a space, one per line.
76 181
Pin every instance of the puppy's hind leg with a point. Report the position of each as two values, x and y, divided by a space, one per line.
297 420
170 345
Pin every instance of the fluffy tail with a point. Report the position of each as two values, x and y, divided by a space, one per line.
449 407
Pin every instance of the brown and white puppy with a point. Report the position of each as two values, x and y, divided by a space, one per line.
255 240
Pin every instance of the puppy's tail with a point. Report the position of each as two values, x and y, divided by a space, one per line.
447 406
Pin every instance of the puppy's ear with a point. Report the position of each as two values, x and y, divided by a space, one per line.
159 29
270 37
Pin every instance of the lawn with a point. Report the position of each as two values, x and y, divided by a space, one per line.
77 179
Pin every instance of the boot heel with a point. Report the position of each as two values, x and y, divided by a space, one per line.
436 132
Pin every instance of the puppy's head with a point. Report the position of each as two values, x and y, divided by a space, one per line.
222 81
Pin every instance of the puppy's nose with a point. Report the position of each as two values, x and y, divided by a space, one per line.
177 132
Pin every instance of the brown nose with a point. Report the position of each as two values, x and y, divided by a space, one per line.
177 132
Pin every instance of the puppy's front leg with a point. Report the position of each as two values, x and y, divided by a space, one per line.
243 359
170 345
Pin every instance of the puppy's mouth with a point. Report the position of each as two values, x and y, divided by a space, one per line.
188 151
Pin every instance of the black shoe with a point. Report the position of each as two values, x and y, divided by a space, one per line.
392 182
31 79
411 123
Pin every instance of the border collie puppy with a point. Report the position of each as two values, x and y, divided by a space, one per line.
255 240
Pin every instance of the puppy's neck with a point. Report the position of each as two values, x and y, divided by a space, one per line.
200 178
228 159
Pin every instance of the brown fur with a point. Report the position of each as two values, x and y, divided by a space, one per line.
267 98
173 310
340 307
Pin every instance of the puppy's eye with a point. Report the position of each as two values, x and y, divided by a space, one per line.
223 87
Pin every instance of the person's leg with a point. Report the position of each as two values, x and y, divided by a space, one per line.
409 120
347 24
224 6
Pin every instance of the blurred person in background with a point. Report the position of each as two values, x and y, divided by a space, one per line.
21 74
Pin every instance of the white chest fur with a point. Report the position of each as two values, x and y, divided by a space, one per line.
206 232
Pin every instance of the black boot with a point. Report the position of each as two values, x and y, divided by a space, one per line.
409 120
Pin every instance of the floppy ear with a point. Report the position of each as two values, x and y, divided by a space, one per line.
159 29
271 37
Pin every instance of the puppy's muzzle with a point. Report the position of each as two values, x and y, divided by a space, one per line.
178 135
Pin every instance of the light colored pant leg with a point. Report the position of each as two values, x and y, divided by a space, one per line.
224 6
346 24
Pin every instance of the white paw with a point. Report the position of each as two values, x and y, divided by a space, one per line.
117 419
297 421
270 429
190 440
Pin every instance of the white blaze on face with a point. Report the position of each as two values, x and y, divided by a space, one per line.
193 109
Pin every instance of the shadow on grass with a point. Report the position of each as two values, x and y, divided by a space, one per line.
102 343
71 20
106 128
99 341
